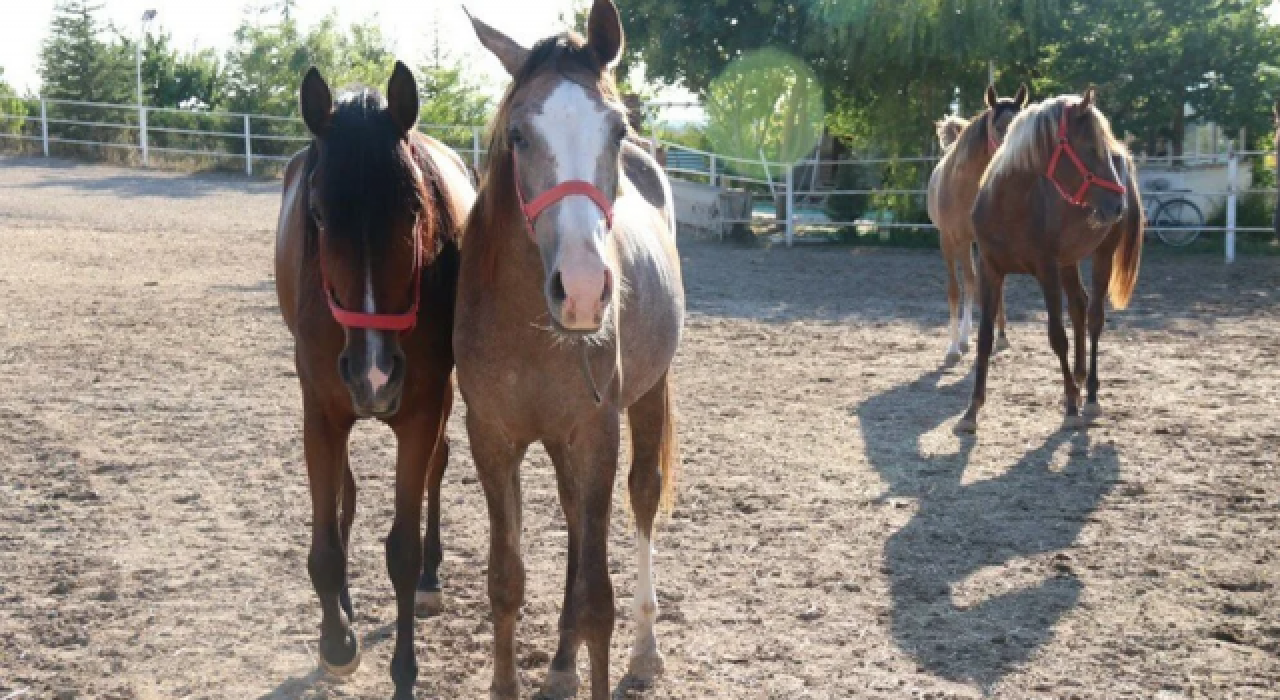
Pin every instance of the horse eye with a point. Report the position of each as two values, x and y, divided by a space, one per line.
517 138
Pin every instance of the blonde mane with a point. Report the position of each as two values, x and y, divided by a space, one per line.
1034 133
949 128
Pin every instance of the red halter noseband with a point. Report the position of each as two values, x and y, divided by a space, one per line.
1090 180
402 323
568 188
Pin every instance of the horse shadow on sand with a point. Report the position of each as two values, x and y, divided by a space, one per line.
1023 519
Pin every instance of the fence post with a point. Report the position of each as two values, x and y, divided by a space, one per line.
713 171
1233 167
791 204
248 148
475 149
44 126
142 133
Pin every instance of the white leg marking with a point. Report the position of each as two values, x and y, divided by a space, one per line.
646 661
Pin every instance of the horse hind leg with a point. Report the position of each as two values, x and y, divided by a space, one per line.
652 474
429 599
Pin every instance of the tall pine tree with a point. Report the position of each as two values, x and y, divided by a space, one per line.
74 59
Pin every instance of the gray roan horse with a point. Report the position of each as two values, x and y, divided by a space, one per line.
570 308
366 269
968 148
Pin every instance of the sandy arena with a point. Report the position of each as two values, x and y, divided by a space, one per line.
833 538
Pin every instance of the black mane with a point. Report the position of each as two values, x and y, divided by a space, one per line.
369 175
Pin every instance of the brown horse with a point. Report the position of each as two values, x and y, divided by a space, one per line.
953 187
366 271
570 308
1062 188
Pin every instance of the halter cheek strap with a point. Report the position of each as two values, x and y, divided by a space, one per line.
401 323
568 188
1089 179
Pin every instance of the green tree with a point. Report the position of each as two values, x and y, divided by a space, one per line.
1154 58
75 63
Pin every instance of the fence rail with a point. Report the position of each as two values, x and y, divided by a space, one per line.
794 191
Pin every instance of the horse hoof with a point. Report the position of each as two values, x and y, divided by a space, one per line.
646 666
1091 411
428 603
1074 422
559 685
341 670
954 356
966 426
1002 343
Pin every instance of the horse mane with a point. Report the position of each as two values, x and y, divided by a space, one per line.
370 170
972 139
949 129
1034 132
496 208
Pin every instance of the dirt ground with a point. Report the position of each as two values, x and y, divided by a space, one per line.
833 537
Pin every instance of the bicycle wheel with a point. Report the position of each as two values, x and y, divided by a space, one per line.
1178 222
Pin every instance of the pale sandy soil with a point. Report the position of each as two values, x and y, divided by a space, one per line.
833 538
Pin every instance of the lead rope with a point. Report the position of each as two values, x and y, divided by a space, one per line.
586 368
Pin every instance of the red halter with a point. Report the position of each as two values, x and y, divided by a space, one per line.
402 323
1090 180
568 188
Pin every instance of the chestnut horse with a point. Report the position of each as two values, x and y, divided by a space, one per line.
570 308
952 189
1061 189
366 271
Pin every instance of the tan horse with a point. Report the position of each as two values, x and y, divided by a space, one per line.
570 308
953 187
1061 189
366 270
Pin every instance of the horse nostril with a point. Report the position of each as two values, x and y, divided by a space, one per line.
344 369
558 295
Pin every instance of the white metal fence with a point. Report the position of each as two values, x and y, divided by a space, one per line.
812 196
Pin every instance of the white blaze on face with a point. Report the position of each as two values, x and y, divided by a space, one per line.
373 340
576 130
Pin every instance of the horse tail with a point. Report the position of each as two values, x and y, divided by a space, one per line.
1128 256
669 454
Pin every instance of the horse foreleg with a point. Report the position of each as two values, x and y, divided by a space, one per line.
348 517
324 440
498 467
1051 285
1077 304
592 462
1102 262
991 289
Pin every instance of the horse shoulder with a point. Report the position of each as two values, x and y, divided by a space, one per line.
291 233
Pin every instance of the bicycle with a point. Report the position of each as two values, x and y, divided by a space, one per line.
1176 221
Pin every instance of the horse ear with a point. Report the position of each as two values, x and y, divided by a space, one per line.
992 98
402 98
511 54
1023 96
315 102
604 32
1090 98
